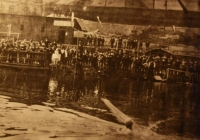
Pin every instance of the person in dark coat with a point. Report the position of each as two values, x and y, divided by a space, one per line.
147 45
94 61
120 42
99 41
151 70
46 42
95 41
54 43
102 41
112 41
62 52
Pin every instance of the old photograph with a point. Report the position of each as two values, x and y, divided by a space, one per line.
100 69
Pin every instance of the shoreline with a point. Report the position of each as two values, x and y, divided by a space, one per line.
19 121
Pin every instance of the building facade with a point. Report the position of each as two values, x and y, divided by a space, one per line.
22 7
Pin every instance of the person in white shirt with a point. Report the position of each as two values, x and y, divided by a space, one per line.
56 57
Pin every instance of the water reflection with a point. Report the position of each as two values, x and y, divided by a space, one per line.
29 86
173 107
70 88
166 108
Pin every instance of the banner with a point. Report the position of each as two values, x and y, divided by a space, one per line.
63 23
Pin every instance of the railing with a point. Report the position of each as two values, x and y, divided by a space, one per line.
24 58
23 61
182 76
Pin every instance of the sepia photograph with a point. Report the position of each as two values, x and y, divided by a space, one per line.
99 69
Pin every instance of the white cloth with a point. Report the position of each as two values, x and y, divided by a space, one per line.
56 57
66 53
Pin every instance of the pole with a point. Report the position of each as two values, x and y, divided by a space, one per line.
75 71
43 8
77 44
153 4
105 2
124 3
165 15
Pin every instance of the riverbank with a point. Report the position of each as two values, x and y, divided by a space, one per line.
37 122
20 121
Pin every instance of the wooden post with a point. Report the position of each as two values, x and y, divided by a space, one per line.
165 15
167 74
153 4
8 56
17 57
121 117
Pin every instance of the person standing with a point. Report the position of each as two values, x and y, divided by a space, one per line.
120 42
99 42
147 45
80 48
140 46
128 43
152 65
62 52
136 44
95 41
112 41
46 42
54 43
90 40
102 41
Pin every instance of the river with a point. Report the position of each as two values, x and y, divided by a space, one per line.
170 109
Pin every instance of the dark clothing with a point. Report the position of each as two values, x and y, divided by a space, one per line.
147 46
99 42
112 41
102 41
80 48
46 42
120 43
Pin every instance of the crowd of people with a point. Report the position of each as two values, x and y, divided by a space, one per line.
134 59
93 40
117 42
149 65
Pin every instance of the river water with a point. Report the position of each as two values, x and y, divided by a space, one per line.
165 108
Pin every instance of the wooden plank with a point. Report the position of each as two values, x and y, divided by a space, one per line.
121 117
158 78
176 70
23 66
92 108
